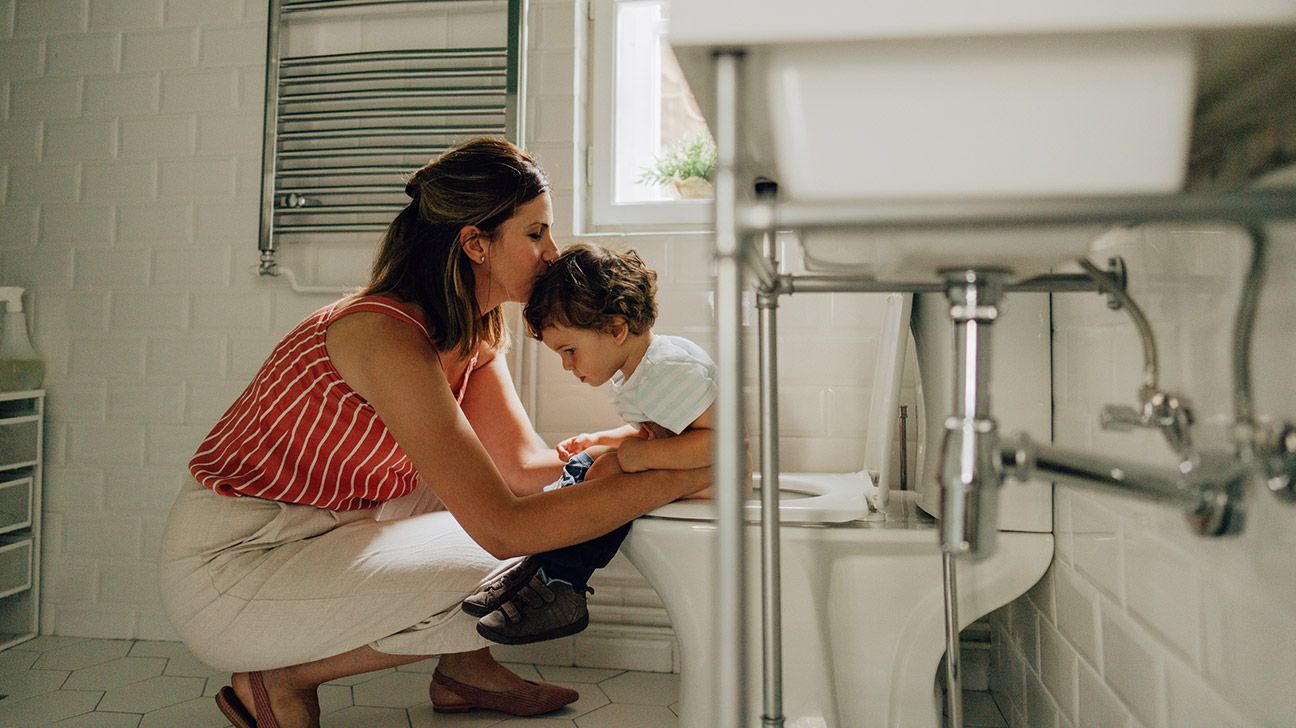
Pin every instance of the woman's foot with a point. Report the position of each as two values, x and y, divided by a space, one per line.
475 680
293 706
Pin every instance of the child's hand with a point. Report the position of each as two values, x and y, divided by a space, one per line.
572 445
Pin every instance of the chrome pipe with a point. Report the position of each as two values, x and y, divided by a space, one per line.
1109 286
730 451
313 97
340 152
388 112
515 81
377 132
771 565
815 283
970 471
295 6
339 227
341 209
269 123
346 171
392 189
953 659
904 447
1249 206
396 54
1244 326
388 75
1209 489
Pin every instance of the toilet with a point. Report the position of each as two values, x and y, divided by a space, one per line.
862 596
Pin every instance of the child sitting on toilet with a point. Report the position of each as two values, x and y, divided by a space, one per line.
595 308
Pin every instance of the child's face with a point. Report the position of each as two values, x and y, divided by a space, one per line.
592 356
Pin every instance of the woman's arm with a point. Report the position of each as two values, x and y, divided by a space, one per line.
496 414
396 370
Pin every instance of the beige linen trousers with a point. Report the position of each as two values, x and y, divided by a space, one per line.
253 584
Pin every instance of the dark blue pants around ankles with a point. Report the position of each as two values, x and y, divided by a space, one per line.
576 563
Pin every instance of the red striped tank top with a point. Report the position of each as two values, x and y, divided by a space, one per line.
300 434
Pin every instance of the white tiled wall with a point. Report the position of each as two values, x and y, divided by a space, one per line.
1138 623
130 135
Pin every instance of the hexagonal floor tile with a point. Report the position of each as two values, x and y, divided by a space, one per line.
82 654
359 717
196 713
47 642
643 688
101 720
116 673
48 707
629 716
19 685
16 660
152 694
334 697
393 690
538 723
576 674
361 678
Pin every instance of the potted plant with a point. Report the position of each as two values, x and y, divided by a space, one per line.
686 165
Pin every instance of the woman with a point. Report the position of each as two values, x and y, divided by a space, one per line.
380 463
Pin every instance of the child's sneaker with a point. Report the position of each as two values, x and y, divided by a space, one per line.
490 595
541 610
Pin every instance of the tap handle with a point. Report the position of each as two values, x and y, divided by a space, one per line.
1121 417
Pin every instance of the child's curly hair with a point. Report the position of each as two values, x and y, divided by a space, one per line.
588 287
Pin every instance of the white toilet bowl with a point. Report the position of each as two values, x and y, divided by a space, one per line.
862 604
862 597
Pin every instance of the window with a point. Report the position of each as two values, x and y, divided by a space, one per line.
641 111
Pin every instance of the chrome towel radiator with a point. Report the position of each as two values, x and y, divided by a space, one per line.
342 130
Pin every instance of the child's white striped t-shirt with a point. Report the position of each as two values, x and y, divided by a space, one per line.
672 385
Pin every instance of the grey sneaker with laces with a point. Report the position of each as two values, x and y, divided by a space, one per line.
491 594
537 612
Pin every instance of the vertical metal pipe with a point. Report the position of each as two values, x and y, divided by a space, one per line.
904 447
953 667
771 575
515 75
270 124
730 450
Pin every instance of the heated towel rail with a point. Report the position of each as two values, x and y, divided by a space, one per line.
342 130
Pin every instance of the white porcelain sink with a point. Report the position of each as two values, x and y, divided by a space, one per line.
940 99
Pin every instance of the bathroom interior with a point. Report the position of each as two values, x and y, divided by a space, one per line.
951 401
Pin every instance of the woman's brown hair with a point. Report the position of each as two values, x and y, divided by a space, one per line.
481 182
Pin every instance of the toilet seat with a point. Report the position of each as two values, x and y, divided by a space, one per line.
804 498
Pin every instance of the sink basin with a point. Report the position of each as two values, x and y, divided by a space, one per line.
894 100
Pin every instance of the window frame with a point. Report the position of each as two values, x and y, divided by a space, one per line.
601 213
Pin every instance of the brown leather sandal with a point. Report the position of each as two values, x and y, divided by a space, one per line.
532 699
228 702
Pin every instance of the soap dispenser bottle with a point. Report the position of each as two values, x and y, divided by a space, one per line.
20 366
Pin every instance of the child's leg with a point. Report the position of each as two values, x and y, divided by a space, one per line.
575 564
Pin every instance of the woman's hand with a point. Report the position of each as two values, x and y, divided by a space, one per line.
575 444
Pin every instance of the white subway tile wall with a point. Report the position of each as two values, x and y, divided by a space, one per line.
1151 626
129 158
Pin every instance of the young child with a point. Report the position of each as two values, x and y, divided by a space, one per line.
595 308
